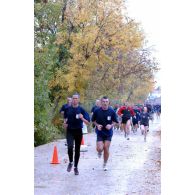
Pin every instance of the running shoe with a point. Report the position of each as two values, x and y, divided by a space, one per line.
76 172
105 167
69 168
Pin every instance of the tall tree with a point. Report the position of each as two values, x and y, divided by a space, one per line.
101 39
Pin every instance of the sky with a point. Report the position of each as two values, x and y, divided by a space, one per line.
147 13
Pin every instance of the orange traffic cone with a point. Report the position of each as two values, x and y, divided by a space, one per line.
83 146
55 156
82 141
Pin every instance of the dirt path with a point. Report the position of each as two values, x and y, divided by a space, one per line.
134 167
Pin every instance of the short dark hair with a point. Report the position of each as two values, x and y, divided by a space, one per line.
104 97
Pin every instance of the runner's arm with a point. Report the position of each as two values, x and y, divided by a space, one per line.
84 116
99 127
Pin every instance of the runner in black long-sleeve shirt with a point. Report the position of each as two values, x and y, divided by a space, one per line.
74 116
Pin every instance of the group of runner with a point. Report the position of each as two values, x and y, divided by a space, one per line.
132 118
105 119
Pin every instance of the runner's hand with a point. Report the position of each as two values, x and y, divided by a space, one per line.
81 116
108 127
65 125
99 127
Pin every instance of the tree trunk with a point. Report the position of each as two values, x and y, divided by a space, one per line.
55 106
129 95
63 10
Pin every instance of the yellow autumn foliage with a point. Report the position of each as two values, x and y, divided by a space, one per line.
102 40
